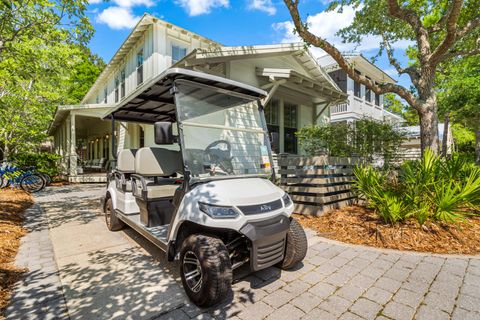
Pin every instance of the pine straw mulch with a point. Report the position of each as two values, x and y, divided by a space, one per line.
12 204
359 225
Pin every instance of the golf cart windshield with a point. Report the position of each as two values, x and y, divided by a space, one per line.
223 133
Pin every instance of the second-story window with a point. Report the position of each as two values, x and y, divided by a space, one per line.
140 67
178 53
368 93
356 87
105 95
122 84
377 98
117 85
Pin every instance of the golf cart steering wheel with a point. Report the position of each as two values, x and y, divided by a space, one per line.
220 157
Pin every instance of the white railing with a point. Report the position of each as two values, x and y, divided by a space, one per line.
342 107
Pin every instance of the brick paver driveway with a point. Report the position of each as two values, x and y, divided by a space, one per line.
103 274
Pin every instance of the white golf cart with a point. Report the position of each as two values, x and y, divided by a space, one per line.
204 196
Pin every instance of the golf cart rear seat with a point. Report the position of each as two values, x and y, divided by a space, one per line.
153 185
125 167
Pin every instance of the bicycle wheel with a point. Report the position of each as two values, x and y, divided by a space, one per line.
47 178
32 183
4 182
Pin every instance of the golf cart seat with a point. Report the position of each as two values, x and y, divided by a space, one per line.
125 167
153 185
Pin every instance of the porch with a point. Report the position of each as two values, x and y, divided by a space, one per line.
83 141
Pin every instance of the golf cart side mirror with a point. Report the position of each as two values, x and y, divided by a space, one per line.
163 133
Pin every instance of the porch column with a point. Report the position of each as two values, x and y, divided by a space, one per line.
281 126
73 146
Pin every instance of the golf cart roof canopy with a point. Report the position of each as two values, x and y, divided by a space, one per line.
153 101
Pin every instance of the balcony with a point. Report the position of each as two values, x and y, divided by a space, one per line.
357 108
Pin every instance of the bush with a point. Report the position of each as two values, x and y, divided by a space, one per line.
364 138
430 188
44 162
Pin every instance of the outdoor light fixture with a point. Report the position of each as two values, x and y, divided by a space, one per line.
106 136
96 140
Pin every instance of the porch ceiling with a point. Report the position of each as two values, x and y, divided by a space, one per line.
87 110
293 80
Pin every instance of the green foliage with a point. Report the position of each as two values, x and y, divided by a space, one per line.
43 63
393 104
43 161
365 138
428 188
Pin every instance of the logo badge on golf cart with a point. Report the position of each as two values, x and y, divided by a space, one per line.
265 208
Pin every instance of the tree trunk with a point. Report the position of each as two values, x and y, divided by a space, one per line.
6 152
429 128
446 125
477 144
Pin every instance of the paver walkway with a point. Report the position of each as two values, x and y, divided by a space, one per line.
105 275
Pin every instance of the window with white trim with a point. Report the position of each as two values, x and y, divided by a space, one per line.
122 83
140 67
117 85
105 95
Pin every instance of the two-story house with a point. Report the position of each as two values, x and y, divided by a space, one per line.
299 92
362 102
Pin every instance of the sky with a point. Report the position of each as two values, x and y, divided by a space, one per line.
231 23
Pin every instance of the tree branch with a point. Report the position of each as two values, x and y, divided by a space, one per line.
410 17
310 38
469 27
451 36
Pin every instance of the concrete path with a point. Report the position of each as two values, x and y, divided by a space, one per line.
107 275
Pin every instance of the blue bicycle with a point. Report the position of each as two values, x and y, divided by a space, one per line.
27 179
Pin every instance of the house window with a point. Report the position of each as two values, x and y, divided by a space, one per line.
290 119
340 78
122 84
178 53
117 84
272 117
368 93
357 87
140 67
377 100
105 95
97 99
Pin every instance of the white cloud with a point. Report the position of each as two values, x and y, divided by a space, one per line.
263 5
132 3
94 1
198 7
118 18
326 25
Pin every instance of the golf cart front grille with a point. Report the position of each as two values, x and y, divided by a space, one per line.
261 208
270 254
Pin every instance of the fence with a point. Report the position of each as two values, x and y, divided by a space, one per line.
317 184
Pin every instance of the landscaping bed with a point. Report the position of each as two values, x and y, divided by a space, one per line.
359 225
12 205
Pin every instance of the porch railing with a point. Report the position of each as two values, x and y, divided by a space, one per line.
342 107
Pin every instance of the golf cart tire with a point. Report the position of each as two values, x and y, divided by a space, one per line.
112 221
216 269
296 248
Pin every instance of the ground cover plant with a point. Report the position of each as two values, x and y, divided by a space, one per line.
12 205
429 189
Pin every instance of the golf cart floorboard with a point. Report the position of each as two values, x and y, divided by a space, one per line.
157 235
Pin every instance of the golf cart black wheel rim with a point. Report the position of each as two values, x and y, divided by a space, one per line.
192 271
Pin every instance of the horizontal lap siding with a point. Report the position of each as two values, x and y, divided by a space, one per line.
318 184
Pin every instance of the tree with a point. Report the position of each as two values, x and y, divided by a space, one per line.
459 95
51 21
41 52
440 30
394 105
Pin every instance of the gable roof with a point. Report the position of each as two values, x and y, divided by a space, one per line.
145 21
361 63
296 50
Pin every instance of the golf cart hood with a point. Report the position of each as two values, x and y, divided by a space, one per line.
238 192
154 101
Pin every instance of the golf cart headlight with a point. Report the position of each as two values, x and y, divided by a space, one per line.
287 201
218 211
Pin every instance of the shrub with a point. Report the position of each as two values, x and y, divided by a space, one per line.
365 138
428 188
44 162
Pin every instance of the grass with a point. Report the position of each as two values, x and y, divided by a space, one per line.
12 205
